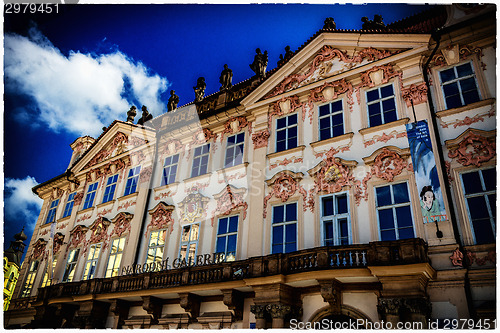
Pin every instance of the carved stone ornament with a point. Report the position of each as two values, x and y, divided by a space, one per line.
58 241
131 114
235 125
199 90
229 199
284 185
161 217
368 80
77 235
171 146
193 207
203 136
56 193
78 198
278 310
99 231
260 139
474 148
389 306
283 106
117 146
330 91
258 310
39 248
146 173
173 100
121 224
452 54
415 93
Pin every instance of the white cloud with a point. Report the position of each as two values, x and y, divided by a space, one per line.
78 93
21 205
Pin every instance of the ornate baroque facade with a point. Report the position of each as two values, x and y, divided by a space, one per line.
292 196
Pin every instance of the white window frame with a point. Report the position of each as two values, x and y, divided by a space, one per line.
30 279
90 193
92 261
71 201
236 147
51 213
157 247
71 265
473 75
113 265
330 115
335 219
380 100
169 166
286 129
189 241
200 157
226 235
284 224
109 185
136 171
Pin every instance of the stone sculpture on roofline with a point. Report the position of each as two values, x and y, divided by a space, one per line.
131 114
226 78
259 63
329 23
376 24
288 55
146 116
199 90
172 101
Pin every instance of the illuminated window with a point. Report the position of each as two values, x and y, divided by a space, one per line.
115 257
156 246
381 105
459 85
51 215
170 169
189 241
30 279
227 233
284 229
69 205
331 120
335 219
132 180
234 150
200 160
480 196
69 272
89 198
10 281
49 273
109 191
91 263
286 132
394 212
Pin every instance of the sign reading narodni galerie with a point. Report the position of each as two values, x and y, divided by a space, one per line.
426 176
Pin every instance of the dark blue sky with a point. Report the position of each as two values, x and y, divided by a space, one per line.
178 43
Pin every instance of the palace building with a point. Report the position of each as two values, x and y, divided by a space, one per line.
356 181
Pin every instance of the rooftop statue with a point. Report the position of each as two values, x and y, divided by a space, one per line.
288 55
146 116
226 78
199 90
131 114
259 63
172 101
329 23
376 24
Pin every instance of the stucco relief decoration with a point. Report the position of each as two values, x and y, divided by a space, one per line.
161 217
235 125
171 147
330 91
136 141
332 151
385 137
56 193
370 77
457 258
202 136
193 207
196 187
38 248
416 93
58 241
94 175
61 226
227 179
137 157
77 236
467 121
78 198
126 205
286 161
229 199
163 195
453 54
83 218
474 149
117 146
146 173
448 171
284 185
283 106
260 139
99 232
121 224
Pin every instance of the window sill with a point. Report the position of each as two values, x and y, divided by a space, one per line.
129 196
164 187
370 130
468 107
106 203
286 152
86 210
332 140
63 219
234 167
197 178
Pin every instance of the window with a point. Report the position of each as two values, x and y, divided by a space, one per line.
381 105
331 120
170 169
394 212
234 150
156 246
49 273
69 272
132 179
10 282
200 160
109 191
30 279
335 220
286 132
115 257
51 215
459 85
480 196
227 233
69 205
91 263
189 241
89 199
284 229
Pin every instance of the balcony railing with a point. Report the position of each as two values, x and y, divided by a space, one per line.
390 253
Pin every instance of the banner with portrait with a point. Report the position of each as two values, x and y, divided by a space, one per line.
426 176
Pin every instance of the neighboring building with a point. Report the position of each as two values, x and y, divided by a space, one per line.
11 266
309 192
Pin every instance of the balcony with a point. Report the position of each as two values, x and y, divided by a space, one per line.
391 253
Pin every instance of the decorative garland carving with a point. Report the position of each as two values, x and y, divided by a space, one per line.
77 200
135 141
203 136
467 121
474 149
77 236
286 161
415 93
384 137
121 224
83 218
260 139
126 205
336 88
332 151
161 217
229 178
58 241
284 185
62 226
285 105
464 52
137 157
242 123
164 195
104 212
99 232
145 174
119 139
38 248
388 73
171 147
196 187
56 193
228 200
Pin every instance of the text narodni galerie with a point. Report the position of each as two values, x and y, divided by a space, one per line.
200 260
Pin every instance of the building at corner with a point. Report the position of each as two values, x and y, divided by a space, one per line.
11 265
353 182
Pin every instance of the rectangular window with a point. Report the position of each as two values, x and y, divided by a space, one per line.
381 106
49 273
69 272
227 233
284 229
115 257
89 198
335 220
286 132
69 205
91 263
51 215
30 279
132 180
394 212
156 246
170 169
234 150
331 120
189 241
109 191
459 85
480 196
200 160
